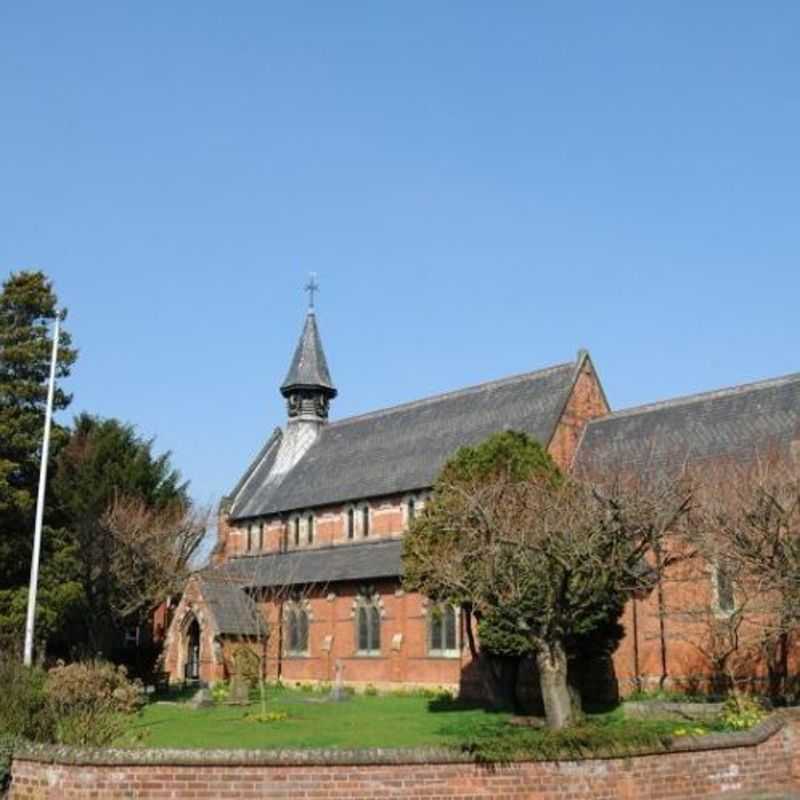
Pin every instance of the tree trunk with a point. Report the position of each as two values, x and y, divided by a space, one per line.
558 707
778 667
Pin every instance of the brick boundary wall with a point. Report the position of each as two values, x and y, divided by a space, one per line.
764 759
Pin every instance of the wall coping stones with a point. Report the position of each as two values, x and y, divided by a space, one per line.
661 709
61 754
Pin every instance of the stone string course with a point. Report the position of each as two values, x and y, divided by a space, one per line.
766 759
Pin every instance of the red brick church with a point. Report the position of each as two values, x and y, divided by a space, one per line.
308 560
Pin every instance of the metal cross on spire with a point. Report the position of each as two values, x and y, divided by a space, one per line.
311 287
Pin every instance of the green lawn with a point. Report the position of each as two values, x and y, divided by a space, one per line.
360 721
385 721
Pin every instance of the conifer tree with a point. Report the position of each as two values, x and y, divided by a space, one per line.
112 493
27 308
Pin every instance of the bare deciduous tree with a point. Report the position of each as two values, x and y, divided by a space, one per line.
264 586
558 556
151 553
747 520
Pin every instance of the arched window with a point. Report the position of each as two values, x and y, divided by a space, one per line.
722 581
296 630
255 535
368 627
443 630
297 531
351 523
365 521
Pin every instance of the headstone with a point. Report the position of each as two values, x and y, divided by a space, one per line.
239 692
202 699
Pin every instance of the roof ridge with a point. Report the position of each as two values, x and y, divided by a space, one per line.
453 393
713 394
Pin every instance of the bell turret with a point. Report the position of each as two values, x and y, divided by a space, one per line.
308 387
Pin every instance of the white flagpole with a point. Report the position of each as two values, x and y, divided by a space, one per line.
37 532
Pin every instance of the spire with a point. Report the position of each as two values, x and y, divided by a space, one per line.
308 386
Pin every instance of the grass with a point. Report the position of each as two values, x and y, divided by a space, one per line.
301 720
361 721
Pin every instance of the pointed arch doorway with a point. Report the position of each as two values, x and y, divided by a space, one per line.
191 670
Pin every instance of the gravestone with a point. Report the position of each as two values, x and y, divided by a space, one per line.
239 692
202 699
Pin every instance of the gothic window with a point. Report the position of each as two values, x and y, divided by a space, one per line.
296 531
253 536
351 523
296 630
310 528
368 627
722 584
365 521
443 630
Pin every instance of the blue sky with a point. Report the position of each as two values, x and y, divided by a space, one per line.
483 188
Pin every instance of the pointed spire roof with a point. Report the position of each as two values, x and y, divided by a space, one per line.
309 368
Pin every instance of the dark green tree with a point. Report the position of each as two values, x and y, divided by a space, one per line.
103 464
27 309
543 562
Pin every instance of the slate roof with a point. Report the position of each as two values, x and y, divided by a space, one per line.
309 367
403 448
740 421
233 609
362 561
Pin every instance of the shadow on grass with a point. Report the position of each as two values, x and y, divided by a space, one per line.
450 704
174 694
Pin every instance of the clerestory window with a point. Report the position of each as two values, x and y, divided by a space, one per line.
722 584
253 536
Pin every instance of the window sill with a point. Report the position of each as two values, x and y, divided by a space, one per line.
444 654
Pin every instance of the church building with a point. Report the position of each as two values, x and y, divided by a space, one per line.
307 567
